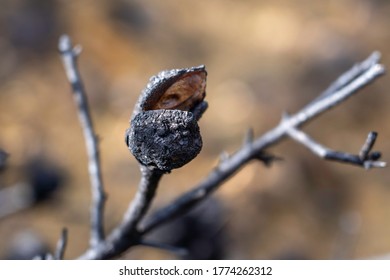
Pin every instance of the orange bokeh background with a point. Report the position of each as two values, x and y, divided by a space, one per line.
262 58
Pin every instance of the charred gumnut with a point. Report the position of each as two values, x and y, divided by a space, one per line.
164 139
164 132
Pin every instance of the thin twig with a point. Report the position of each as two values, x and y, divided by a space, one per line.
69 57
126 234
61 245
349 76
142 200
368 145
230 166
329 154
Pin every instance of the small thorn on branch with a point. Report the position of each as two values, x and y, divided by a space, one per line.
77 50
264 157
368 145
249 136
223 156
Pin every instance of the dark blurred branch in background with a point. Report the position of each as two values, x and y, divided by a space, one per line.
42 182
127 234
3 159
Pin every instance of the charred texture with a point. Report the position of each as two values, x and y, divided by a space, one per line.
164 139
164 133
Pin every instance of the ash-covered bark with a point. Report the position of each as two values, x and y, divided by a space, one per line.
164 139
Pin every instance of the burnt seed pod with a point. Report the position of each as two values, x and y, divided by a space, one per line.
165 139
164 133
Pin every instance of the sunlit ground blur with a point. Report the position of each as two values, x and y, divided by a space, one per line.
262 57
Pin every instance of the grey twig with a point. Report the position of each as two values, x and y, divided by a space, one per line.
349 76
143 198
61 245
364 158
364 153
69 56
249 136
348 84
126 234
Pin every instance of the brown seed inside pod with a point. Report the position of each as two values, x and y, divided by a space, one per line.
184 94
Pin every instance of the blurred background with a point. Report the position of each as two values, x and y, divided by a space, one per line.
262 57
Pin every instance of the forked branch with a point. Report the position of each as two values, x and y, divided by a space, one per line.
130 232
344 87
365 158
